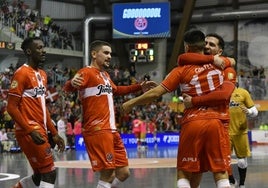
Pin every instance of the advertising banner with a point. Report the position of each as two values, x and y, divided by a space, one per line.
162 139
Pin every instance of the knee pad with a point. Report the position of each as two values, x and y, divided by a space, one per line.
242 163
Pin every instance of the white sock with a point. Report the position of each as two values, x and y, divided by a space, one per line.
27 182
46 185
103 184
116 182
223 183
183 183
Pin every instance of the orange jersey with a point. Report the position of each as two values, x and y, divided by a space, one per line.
197 80
30 86
96 94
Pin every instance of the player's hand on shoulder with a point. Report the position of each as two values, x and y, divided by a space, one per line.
232 60
37 137
219 62
59 141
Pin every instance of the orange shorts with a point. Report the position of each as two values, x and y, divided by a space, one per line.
106 150
203 146
39 156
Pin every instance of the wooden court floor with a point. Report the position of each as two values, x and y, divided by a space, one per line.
153 168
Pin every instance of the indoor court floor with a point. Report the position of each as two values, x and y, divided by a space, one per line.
154 168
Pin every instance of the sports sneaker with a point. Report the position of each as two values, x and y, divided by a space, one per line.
234 185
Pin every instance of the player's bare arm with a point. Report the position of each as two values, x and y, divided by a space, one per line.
145 98
147 85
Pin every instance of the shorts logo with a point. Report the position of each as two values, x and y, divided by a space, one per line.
109 157
189 159
94 163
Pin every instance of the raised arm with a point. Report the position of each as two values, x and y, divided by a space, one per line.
200 59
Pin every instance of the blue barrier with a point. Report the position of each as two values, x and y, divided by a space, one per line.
162 139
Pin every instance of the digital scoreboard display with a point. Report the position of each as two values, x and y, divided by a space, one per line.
141 52
141 20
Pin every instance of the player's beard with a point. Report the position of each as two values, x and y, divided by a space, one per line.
106 65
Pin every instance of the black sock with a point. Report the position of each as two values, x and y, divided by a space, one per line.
231 179
242 175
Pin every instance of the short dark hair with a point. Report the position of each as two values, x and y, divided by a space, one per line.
195 39
220 39
28 42
97 44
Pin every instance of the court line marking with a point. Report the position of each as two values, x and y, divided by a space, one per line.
9 176
133 163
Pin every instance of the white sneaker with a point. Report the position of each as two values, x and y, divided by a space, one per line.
234 185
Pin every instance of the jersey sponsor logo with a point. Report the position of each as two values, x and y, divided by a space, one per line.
233 104
104 89
39 91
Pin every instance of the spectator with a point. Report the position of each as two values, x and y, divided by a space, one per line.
62 127
70 136
4 142
78 126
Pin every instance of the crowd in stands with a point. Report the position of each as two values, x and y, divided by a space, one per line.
25 22
254 81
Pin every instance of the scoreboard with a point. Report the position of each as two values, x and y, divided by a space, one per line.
141 52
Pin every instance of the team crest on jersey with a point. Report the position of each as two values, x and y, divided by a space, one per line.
230 76
14 84
109 157
48 150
